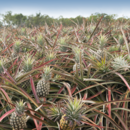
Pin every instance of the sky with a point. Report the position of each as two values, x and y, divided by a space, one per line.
66 8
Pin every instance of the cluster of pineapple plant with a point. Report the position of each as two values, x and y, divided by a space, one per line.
71 78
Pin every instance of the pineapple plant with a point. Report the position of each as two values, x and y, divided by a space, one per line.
28 63
119 62
63 45
78 53
39 54
49 56
40 40
102 41
91 29
18 118
72 114
43 85
23 31
120 39
26 67
16 48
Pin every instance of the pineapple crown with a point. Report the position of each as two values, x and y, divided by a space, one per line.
17 46
120 63
47 72
62 41
23 31
74 110
20 107
40 40
50 56
54 112
102 41
120 39
101 55
63 44
27 63
78 52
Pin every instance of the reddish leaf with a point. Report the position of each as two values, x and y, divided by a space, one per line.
6 114
34 90
35 121
123 80
68 88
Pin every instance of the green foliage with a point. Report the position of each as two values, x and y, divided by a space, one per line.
41 20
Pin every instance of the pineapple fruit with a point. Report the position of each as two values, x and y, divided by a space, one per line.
64 124
26 83
18 118
43 86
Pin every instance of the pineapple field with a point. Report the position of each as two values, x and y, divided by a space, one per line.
54 77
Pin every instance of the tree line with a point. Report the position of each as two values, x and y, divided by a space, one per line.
40 20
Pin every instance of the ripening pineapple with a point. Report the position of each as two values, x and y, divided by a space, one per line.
43 88
26 83
18 118
72 114
65 125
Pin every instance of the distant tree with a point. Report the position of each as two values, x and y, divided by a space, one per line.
7 18
40 20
